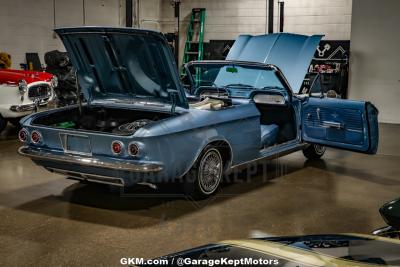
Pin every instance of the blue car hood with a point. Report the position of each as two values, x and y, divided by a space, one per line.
123 64
291 53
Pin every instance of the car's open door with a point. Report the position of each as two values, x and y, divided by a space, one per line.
341 123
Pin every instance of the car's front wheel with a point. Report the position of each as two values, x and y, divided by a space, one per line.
314 151
205 176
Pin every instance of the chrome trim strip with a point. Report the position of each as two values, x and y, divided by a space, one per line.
23 108
87 176
355 131
332 124
38 154
385 230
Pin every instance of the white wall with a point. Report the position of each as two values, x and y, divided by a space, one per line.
226 19
332 18
375 57
149 14
27 26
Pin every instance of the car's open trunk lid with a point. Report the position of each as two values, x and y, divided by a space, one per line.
123 63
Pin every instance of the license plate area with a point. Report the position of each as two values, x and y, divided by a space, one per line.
76 144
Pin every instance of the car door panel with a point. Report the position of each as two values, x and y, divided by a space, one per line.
340 123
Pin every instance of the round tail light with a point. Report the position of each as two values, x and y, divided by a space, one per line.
35 137
133 149
23 135
117 147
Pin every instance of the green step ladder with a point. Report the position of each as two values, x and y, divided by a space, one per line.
194 45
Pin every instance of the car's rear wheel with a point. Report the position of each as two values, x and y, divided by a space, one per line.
314 151
3 123
205 176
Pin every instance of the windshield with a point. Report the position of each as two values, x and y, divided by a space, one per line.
234 76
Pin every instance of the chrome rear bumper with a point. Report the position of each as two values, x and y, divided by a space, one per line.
110 164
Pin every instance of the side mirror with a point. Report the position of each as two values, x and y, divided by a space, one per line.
187 85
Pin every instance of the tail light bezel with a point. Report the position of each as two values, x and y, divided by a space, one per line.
23 130
137 149
39 137
122 146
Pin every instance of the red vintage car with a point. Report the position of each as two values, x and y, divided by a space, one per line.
21 92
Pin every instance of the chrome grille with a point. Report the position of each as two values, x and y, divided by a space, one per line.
42 91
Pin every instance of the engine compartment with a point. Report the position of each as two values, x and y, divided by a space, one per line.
117 121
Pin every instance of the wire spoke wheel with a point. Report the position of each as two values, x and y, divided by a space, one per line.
210 171
314 151
320 150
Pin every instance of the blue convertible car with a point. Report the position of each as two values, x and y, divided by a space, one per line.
138 123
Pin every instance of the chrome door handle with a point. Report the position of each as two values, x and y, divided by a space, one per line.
333 124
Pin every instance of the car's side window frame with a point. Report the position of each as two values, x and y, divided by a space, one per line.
188 87
317 80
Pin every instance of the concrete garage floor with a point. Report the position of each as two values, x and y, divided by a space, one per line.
48 220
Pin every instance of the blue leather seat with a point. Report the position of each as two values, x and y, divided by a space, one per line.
269 133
